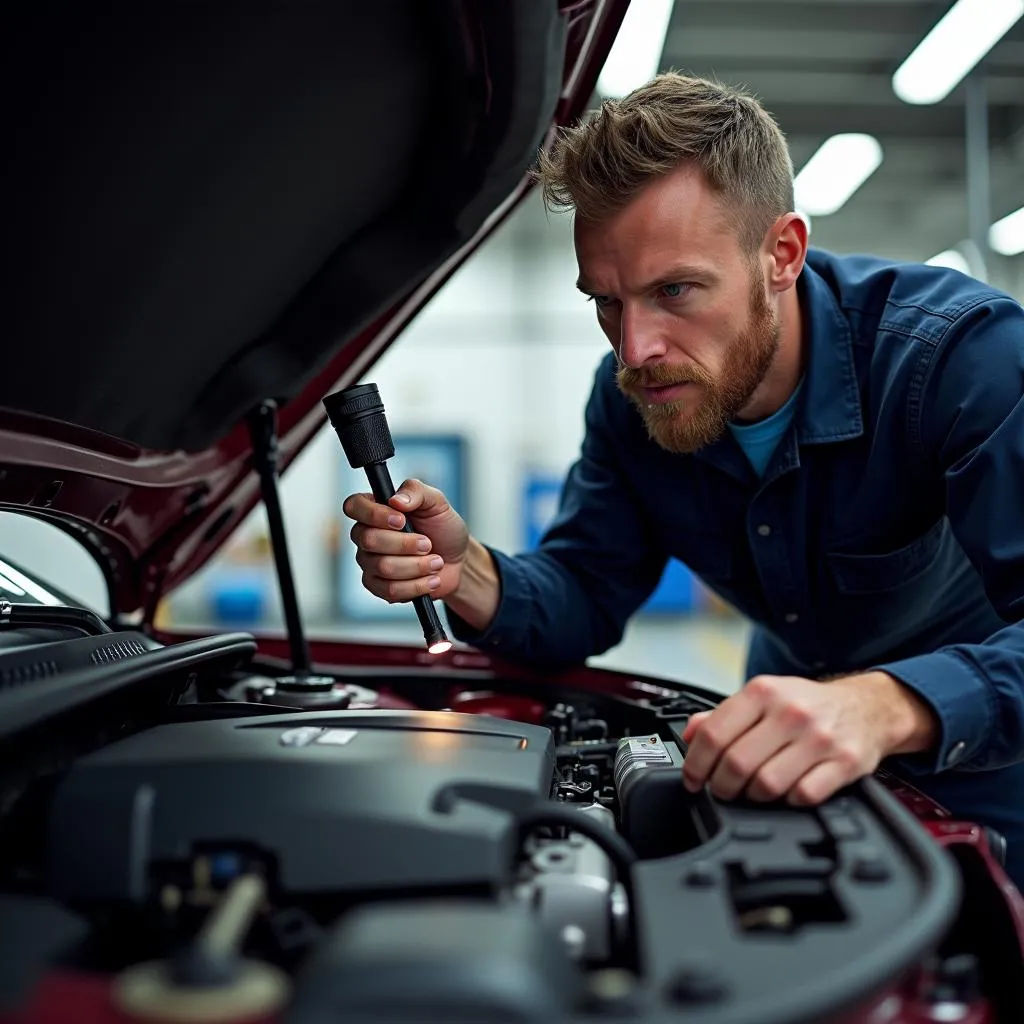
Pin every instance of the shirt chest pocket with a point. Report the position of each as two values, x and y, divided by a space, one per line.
891 570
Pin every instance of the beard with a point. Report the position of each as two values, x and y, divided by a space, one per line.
683 427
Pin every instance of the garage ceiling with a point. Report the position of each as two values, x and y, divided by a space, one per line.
826 66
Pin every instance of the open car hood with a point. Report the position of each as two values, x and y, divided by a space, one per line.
218 205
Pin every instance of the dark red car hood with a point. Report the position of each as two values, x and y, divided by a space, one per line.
215 205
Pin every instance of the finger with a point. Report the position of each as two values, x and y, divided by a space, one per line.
363 509
395 591
730 720
776 778
414 495
740 763
821 782
399 567
388 542
693 724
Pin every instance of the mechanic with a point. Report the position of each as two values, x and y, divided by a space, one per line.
834 444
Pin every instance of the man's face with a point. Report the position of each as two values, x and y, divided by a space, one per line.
684 306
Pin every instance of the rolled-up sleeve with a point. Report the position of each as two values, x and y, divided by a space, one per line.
970 411
596 564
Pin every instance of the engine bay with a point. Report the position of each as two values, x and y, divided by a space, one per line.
214 839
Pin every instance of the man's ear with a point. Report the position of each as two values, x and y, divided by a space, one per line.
786 247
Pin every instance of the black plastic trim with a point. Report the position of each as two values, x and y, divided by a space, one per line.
46 698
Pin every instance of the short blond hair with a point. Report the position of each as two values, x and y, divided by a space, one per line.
598 166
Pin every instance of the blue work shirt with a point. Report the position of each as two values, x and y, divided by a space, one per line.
887 531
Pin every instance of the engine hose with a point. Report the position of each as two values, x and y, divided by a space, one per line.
618 851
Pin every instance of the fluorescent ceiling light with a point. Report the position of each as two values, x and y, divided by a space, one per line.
636 52
835 172
1006 236
951 49
950 258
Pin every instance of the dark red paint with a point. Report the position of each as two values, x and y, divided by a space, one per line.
500 705
69 997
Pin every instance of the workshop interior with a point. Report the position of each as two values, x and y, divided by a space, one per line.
235 786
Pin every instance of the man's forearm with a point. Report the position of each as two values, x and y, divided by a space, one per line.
478 594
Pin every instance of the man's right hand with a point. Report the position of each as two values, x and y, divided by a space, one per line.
439 558
399 566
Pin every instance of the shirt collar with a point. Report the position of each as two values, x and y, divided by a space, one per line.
830 409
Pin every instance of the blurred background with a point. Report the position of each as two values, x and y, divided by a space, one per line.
905 120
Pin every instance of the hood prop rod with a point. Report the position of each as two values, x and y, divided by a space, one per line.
263 430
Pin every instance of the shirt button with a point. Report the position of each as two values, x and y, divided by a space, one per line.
792 617
955 753
764 529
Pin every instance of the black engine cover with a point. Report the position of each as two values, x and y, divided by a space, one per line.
343 801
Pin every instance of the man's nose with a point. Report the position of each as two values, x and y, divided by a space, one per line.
639 339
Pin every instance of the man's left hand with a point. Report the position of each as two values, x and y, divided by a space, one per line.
798 739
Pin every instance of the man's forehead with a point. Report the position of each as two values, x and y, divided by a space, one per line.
666 252
678 218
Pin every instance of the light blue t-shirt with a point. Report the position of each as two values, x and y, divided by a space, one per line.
759 440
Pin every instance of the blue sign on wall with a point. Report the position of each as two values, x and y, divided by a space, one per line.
540 503
679 590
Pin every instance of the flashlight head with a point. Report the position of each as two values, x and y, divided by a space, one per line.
357 415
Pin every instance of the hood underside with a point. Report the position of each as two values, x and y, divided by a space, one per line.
213 205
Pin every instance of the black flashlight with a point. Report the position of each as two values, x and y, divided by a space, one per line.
357 415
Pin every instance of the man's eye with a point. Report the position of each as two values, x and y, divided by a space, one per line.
600 300
674 291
